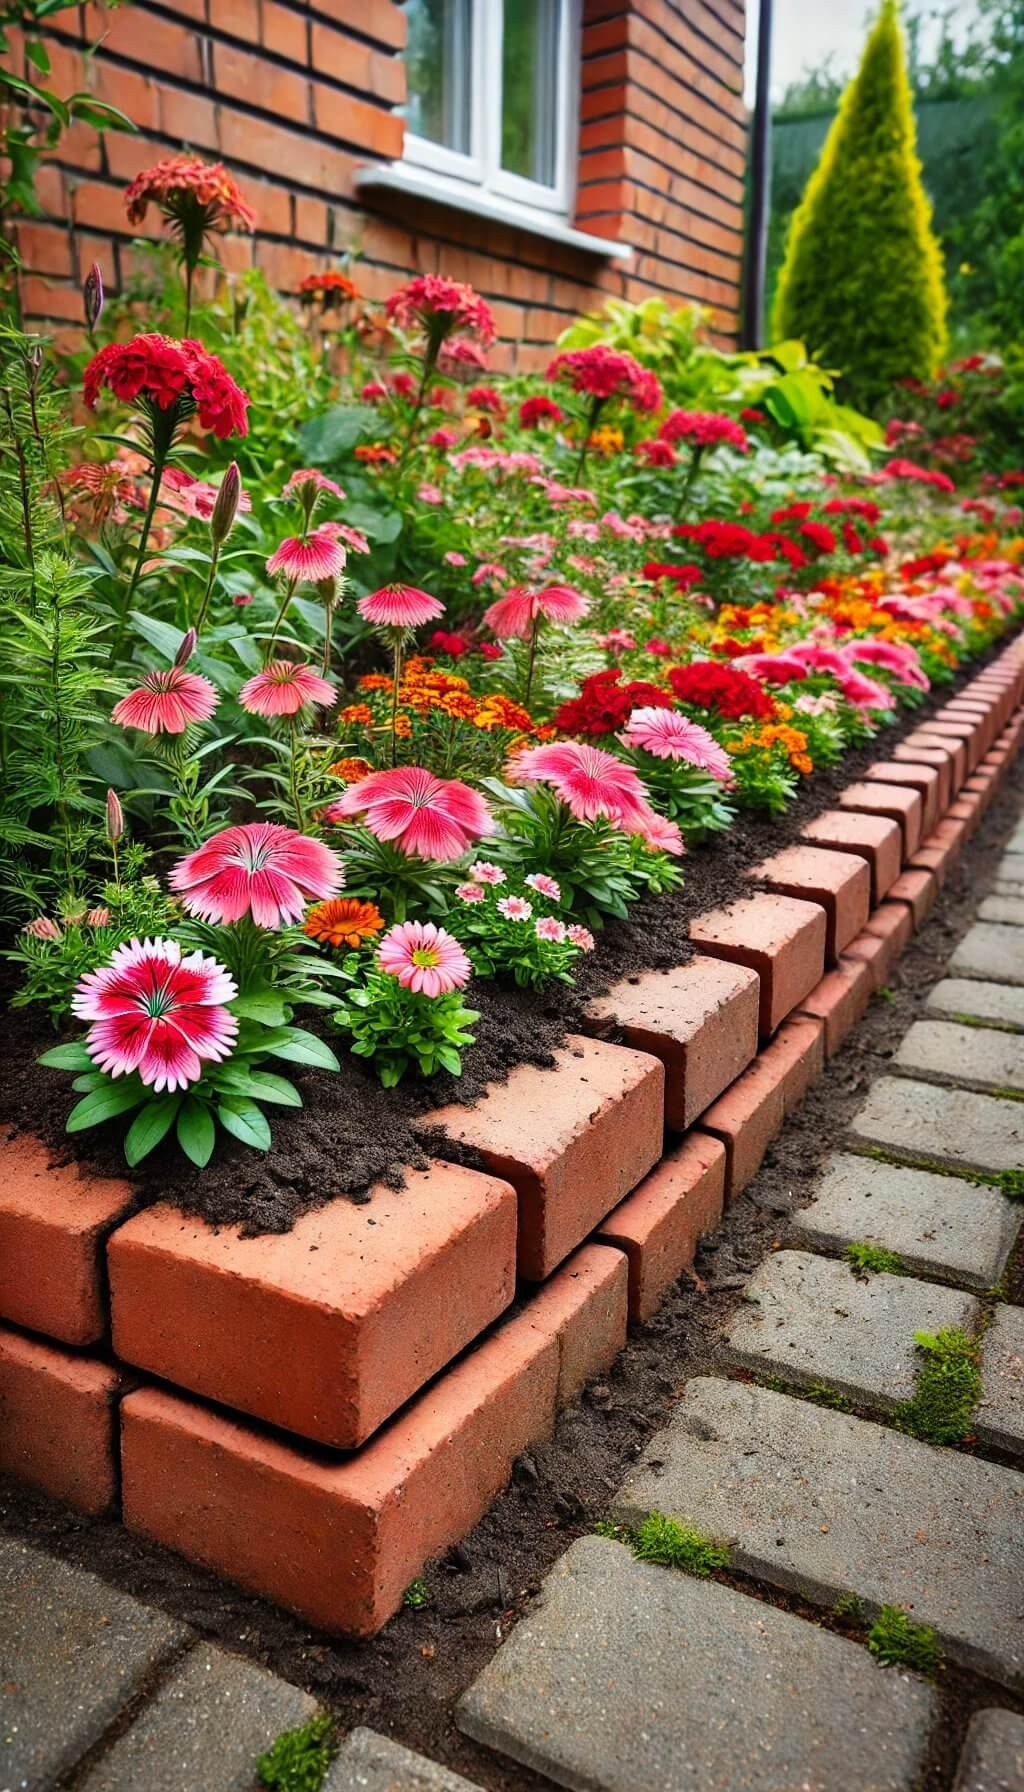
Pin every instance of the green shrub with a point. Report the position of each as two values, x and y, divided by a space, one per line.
896 1641
862 281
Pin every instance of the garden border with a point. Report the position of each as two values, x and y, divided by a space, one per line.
408 1398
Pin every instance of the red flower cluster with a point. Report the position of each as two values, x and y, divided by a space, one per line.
706 685
682 576
441 307
656 453
868 511
751 414
705 429
819 535
535 411
182 184
604 705
165 373
908 469
330 288
726 541
485 398
603 373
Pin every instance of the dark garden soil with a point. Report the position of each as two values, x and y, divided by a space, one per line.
350 1133
407 1681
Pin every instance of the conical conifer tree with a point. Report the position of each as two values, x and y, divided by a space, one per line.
862 281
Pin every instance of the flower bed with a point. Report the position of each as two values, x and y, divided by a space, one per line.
624 846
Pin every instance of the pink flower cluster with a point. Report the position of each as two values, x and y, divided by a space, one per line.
442 307
164 372
705 429
603 373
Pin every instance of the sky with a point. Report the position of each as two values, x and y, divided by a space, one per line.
806 31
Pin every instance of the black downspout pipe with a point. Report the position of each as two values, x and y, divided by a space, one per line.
760 186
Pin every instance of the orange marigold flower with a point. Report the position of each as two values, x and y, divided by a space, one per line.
374 681
403 727
375 454
329 288
350 770
360 713
499 711
343 921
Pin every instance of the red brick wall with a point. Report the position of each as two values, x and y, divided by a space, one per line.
295 95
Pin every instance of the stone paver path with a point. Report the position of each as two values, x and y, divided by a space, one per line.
629 1676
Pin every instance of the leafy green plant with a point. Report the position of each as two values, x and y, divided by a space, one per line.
896 1641
880 314
417 1593
1010 1183
947 1391
299 1760
873 1259
849 1608
678 1545
399 1029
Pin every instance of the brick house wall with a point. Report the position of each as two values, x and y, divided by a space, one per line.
295 96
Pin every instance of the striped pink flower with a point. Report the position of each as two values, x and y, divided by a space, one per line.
158 1013
424 958
317 557
258 868
167 702
666 735
283 688
513 616
434 818
399 606
591 783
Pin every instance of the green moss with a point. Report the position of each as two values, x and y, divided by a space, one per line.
670 1543
873 1259
417 1593
1006 1093
885 994
298 1761
991 1026
896 1641
849 1608
947 1391
1011 1182
862 282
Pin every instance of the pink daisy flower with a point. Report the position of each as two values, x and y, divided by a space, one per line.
590 782
515 908
514 615
666 735
282 689
582 938
399 606
471 893
483 872
317 557
166 702
436 818
158 1013
258 868
550 928
544 885
424 958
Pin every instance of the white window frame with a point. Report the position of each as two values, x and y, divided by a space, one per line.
480 171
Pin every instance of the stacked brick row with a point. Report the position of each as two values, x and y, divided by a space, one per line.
317 1414
296 95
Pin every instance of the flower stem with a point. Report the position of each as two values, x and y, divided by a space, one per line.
160 454
208 593
429 364
394 697
596 406
689 482
293 775
531 658
279 618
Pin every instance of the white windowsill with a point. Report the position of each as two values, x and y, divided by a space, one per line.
420 183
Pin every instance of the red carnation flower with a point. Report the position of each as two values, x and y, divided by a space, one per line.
191 195
603 373
535 411
655 452
682 576
604 703
706 685
705 429
163 375
441 307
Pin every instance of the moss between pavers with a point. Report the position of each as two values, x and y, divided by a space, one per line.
948 1388
873 1259
299 1759
896 1641
1009 1182
670 1543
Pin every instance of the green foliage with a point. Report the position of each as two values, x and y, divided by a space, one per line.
398 1028
416 1594
862 280
677 1545
50 969
1011 1184
873 1259
947 1391
896 1641
299 1760
849 1608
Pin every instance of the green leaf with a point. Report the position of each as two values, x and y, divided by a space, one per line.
244 1121
149 1127
301 1047
379 525
196 1131
159 634
337 431
104 1104
99 114
36 54
264 1005
66 1057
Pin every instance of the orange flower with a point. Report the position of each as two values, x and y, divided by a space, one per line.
499 711
376 454
375 681
343 921
350 770
360 713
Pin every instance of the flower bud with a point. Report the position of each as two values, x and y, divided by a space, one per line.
187 648
115 817
42 928
92 296
98 917
327 590
225 508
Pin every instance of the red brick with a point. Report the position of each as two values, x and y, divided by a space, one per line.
974 709
572 1140
959 740
984 783
384 20
967 809
840 1000
939 853
797 1057
746 1119
137 33
661 1223
782 939
947 728
379 132
893 923
918 890
584 1308
44 248
956 752
897 801
338 1541
872 837
58 1426
53 1221
841 885
936 758
699 1019
922 778
363 1303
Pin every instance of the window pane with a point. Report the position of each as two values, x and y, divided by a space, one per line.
529 87
437 64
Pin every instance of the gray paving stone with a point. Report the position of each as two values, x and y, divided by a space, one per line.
967 1054
367 1762
207 1726
810 1319
73 1651
986 1001
826 1504
956 1126
627 1677
999 1418
989 950
1007 911
1005 885
993 1753
947 1227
